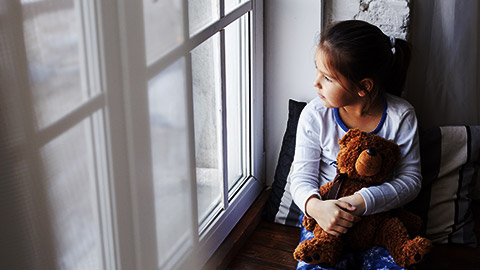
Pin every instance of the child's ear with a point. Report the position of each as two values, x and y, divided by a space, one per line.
367 85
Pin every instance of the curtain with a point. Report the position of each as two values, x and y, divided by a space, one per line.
443 83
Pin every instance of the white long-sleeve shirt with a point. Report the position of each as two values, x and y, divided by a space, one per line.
318 132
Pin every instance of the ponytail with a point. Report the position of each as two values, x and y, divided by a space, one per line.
402 54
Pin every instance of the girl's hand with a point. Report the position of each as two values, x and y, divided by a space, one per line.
357 201
333 216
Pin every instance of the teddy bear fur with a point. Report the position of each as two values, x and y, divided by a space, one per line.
391 229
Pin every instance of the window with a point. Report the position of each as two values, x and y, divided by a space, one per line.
136 127
196 158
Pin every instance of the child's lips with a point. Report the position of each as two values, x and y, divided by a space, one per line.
320 95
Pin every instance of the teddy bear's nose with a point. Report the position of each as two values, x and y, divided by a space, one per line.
368 163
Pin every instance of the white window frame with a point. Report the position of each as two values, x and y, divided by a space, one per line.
91 109
124 77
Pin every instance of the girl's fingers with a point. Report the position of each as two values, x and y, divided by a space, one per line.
345 205
338 226
337 230
335 217
344 223
347 215
334 233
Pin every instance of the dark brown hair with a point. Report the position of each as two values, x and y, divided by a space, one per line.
356 50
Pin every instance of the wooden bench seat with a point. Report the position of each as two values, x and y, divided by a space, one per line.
270 246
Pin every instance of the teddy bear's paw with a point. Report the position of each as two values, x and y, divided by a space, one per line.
415 250
309 223
317 252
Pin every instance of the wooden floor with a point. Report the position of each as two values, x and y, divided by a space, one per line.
270 246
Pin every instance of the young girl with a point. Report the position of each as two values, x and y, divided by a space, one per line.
356 66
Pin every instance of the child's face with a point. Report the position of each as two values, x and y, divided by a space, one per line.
329 89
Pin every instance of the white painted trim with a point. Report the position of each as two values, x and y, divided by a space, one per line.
115 140
102 188
246 89
222 123
257 76
138 132
97 124
84 48
191 136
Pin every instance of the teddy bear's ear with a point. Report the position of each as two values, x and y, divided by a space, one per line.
352 133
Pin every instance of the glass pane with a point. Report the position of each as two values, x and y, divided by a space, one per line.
170 157
206 89
232 4
236 61
163 26
52 33
201 13
68 164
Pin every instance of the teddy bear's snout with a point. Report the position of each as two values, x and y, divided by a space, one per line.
368 163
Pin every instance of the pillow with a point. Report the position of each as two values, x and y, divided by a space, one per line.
450 160
280 207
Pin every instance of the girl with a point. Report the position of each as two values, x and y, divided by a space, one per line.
356 65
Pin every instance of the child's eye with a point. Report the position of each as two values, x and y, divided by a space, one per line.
327 79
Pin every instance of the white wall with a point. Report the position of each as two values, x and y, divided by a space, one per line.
291 30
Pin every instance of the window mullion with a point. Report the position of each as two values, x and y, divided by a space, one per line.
223 122
191 129
90 29
256 94
246 88
96 137
321 11
222 9
70 119
84 48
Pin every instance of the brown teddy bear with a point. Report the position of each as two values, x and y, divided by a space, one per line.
365 160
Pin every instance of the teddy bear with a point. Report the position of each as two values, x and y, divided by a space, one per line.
365 160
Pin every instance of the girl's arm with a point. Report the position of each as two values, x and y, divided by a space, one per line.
333 216
305 167
406 182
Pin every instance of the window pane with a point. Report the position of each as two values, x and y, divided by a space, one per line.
52 34
68 164
170 157
236 58
201 13
232 4
163 26
206 89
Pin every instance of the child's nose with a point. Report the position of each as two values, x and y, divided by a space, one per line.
316 82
